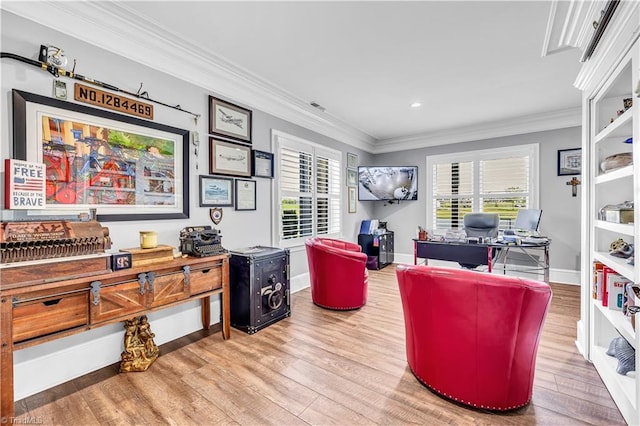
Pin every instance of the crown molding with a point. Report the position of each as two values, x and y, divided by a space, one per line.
528 124
117 29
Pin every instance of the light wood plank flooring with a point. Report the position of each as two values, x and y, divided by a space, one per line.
321 367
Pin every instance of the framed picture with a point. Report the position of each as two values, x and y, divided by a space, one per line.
352 199
229 120
262 164
352 177
245 194
226 158
352 160
569 161
124 167
216 191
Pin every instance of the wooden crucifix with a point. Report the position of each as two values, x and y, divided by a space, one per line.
574 182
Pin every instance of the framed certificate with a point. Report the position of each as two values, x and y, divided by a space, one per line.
245 194
262 164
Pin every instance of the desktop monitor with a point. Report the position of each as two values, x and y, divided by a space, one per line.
528 219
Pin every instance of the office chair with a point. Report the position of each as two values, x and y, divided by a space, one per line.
480 225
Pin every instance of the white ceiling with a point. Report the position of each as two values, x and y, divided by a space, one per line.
470 63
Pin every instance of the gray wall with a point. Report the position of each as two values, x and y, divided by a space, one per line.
41 367
239 229
561 212
76 355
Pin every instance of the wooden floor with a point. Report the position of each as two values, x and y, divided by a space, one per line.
320 367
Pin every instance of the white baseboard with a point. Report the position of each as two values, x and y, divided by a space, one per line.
47 365
299 282
581 342
556 275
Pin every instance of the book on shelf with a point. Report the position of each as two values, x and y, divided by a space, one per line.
606 274
616 286
597 280
369 226
365 227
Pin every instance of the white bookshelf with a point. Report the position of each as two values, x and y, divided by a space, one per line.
606 131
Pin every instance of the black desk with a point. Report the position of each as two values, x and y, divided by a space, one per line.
482 254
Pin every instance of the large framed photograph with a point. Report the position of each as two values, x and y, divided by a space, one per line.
229 120
216 191
226 158
245 194
124 167
262 164
569 162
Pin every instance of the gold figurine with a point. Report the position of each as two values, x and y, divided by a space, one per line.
139 348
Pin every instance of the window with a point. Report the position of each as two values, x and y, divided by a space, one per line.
308 190
499 181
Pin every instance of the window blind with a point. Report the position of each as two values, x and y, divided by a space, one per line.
309 191
498 181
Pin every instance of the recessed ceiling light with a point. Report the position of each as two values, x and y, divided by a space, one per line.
416 105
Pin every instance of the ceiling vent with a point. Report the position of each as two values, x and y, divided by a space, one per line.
317 105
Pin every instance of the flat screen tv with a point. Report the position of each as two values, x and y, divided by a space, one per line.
387 183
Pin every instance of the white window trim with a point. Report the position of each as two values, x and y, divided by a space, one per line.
532 150
278 139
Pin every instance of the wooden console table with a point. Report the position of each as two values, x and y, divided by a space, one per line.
42 301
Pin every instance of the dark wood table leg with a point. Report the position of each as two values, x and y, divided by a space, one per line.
225 301
206 312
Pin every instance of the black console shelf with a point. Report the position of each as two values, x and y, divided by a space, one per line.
379 249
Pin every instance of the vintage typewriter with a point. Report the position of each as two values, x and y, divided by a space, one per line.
201 241
34 240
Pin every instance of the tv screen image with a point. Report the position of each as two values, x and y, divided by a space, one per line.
387 183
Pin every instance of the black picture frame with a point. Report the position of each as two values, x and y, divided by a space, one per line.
29 112
216 191
261 164
245 194
569 162
229 120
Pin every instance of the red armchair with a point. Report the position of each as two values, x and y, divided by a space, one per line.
338 273
473 336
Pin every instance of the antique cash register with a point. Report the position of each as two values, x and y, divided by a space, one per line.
35 240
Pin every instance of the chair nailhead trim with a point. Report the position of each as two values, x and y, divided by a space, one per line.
421 380
341 308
